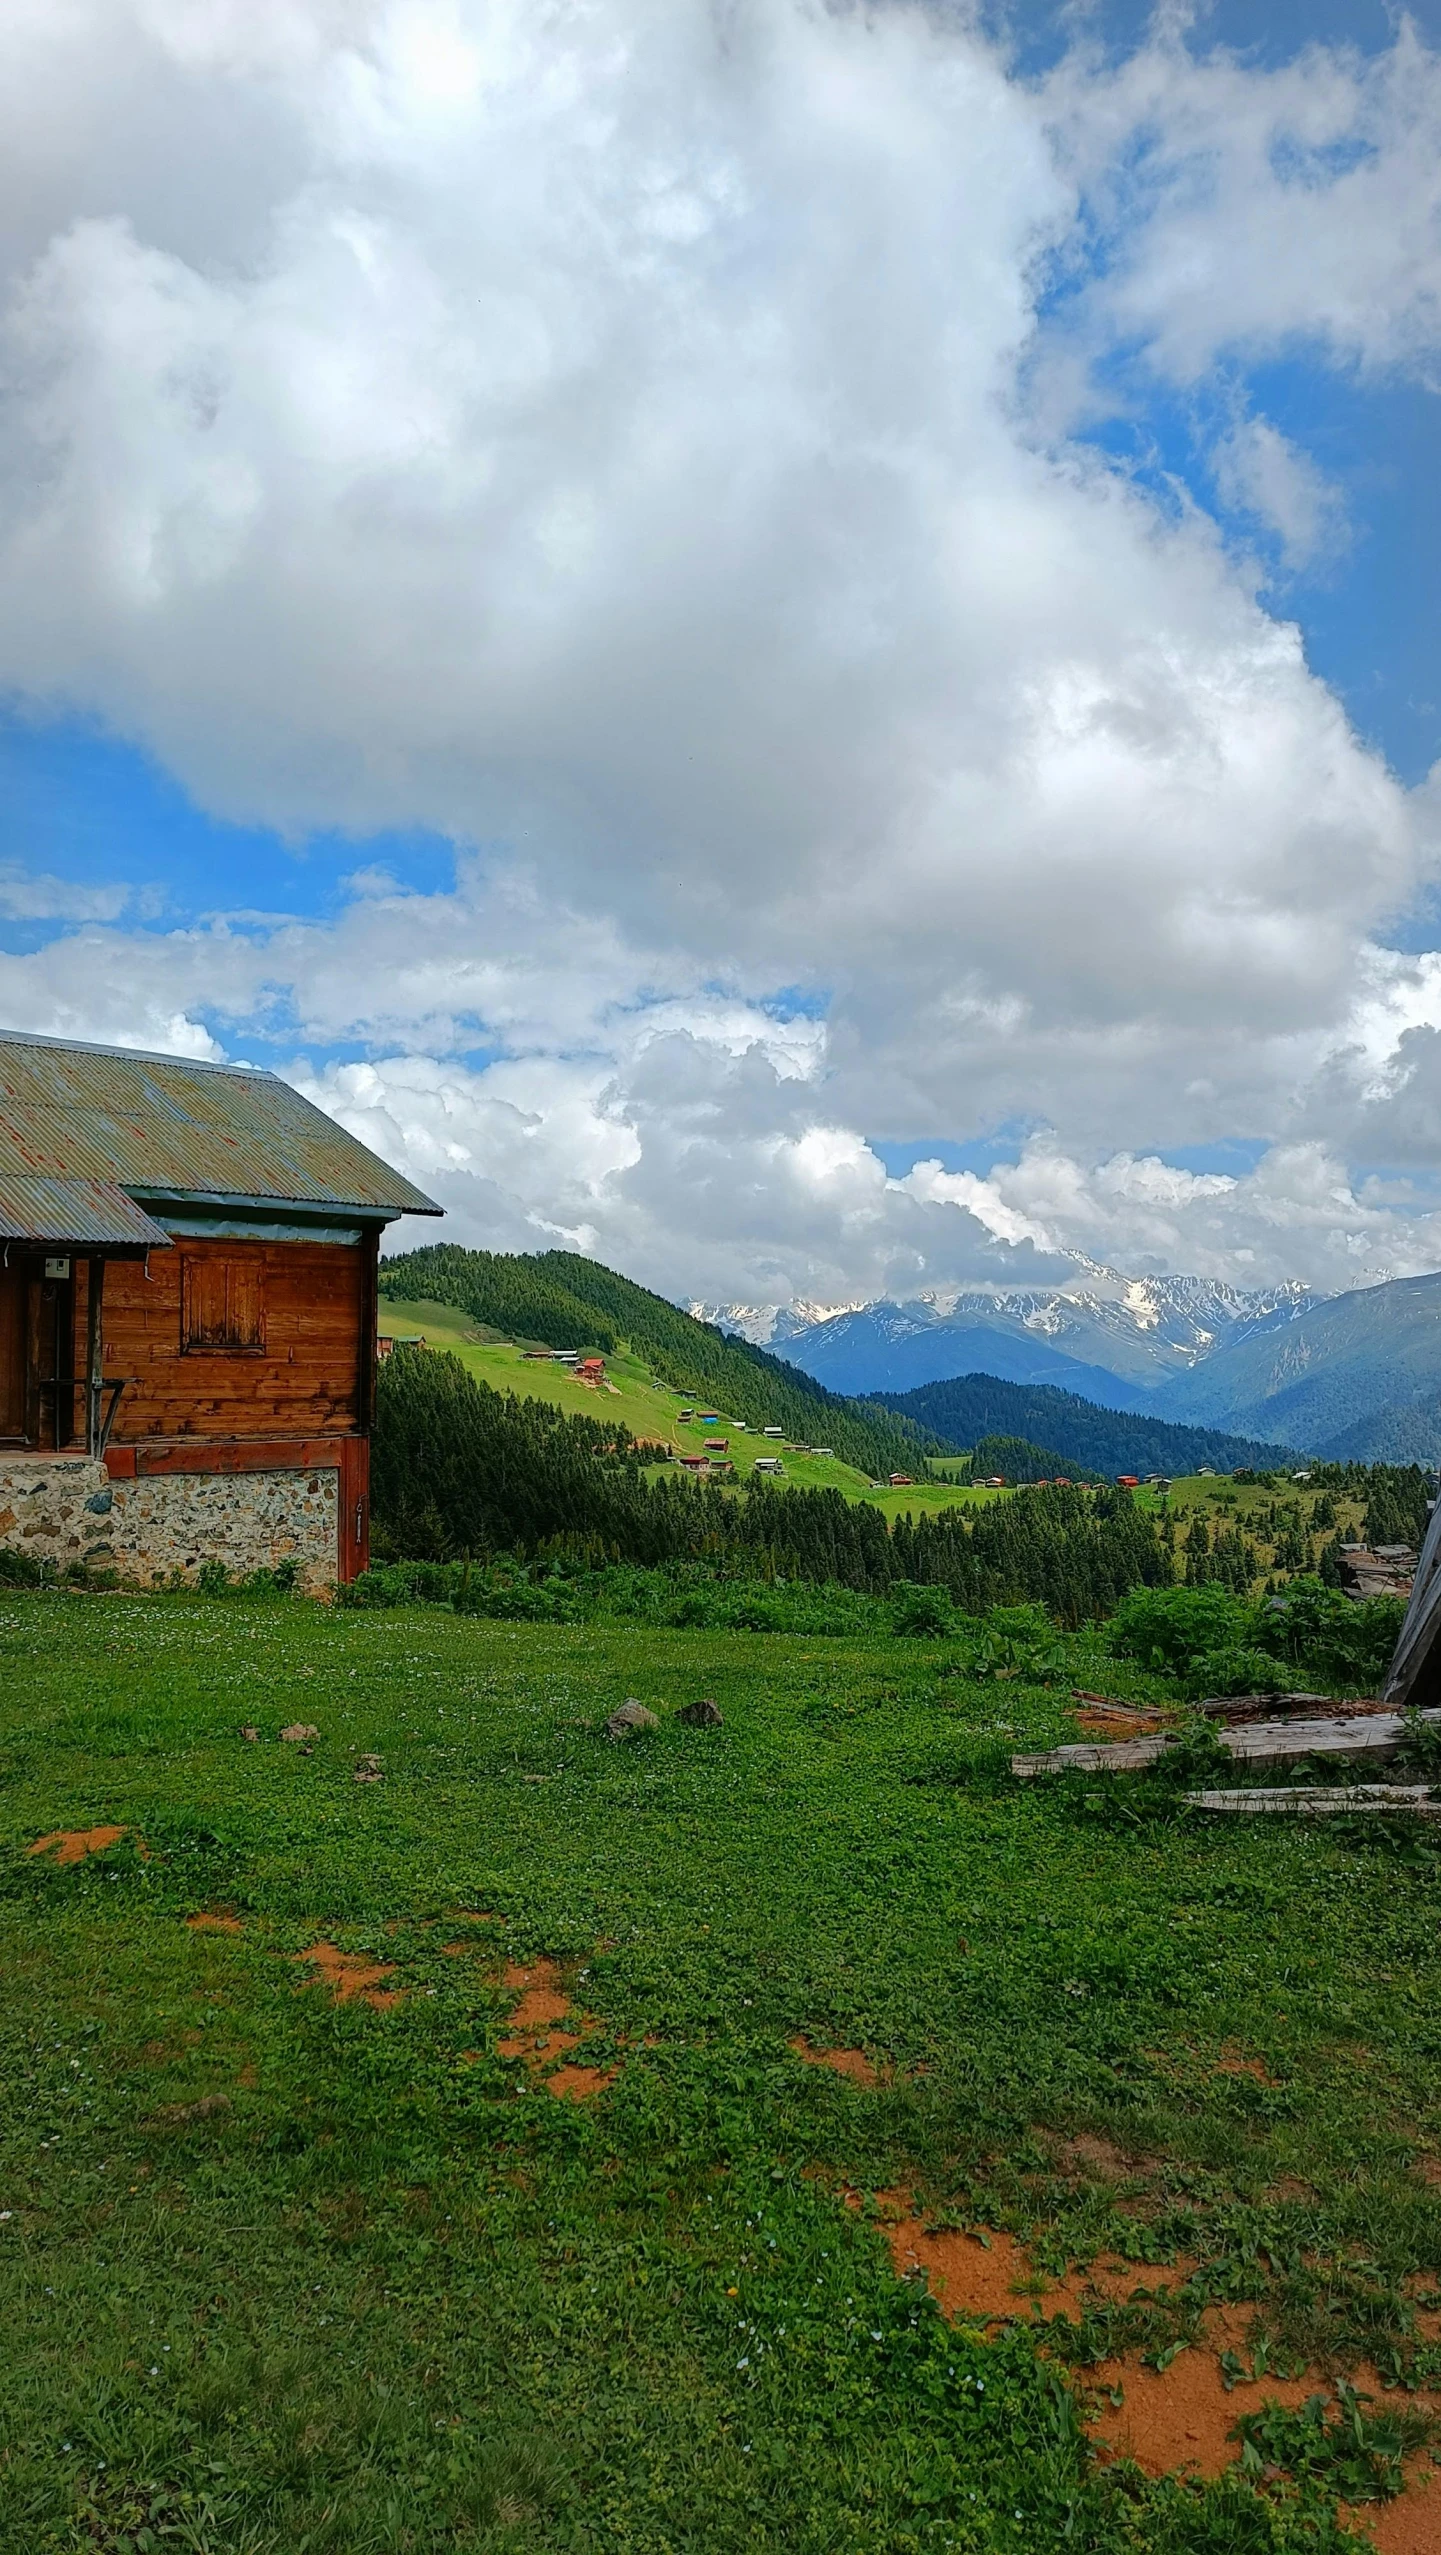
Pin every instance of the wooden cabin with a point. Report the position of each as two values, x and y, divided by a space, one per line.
188 1263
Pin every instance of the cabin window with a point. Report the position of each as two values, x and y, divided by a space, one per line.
222 1307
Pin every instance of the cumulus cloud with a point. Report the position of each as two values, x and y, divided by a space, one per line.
619 437
1245 210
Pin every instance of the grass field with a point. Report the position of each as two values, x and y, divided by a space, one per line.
650 1409
283 2272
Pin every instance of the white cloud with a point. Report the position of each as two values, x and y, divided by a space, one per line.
33 896
1260 472
601 432
1247 210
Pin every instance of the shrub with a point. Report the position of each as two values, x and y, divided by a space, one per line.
920 1613
1236 1672
1171 1628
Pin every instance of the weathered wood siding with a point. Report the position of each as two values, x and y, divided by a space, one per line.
301 1367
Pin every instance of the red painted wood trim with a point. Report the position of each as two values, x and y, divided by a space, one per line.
229 1455
353 1555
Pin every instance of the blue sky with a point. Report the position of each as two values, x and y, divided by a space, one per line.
541 710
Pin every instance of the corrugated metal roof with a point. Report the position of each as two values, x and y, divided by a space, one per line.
163 1126
35 1207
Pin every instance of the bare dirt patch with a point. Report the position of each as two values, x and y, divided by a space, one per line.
1091 2159
842 2062
989 2278
577 2084
535 2037
1177 2419
71 1845
352 1978
1232 2060
1410 2525
212 1920
1183 2416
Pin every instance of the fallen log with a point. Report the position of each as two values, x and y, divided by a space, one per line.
1324 1800
1374 1734
1269 1707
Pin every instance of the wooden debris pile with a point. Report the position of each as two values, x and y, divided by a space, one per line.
1297 1727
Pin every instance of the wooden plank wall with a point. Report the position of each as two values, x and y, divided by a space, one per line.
310 1379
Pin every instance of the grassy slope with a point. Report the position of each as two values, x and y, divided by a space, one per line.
648 1409
384 2273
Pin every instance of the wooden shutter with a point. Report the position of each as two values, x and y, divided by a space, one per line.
222 1306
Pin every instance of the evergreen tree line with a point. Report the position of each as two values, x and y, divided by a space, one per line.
564 1301
460 1470
966 1408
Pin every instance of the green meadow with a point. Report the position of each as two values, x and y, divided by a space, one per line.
285 2272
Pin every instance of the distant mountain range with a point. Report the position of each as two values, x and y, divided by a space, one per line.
1355 1375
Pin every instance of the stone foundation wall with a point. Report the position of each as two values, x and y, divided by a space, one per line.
62 1510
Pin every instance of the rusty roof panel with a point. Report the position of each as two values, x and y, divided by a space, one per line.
36 1207
163 1126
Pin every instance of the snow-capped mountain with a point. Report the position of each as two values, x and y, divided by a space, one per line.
770 1325
1104 1335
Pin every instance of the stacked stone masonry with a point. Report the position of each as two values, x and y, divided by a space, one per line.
64 1509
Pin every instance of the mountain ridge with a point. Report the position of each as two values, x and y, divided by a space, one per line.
970 1408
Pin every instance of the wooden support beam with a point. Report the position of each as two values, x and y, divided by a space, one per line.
94 1359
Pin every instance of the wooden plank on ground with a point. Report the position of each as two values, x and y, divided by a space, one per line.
1323 1801
1373 1734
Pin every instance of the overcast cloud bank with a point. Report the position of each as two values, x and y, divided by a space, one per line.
651 446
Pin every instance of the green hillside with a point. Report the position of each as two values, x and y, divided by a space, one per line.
650 1409
563 1301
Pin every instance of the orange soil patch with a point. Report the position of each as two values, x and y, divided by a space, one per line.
842 2062
351 1977
544 1999
576 2084
1183 2416
71 1845
536 2047
992 2280
214 1921
543 2004
1168 2419
1408 2526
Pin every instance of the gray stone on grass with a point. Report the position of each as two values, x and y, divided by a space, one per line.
704 1714
629 1720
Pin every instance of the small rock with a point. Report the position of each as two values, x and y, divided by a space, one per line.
248 1730
629 1719
367 1770
704 1714
300 1730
